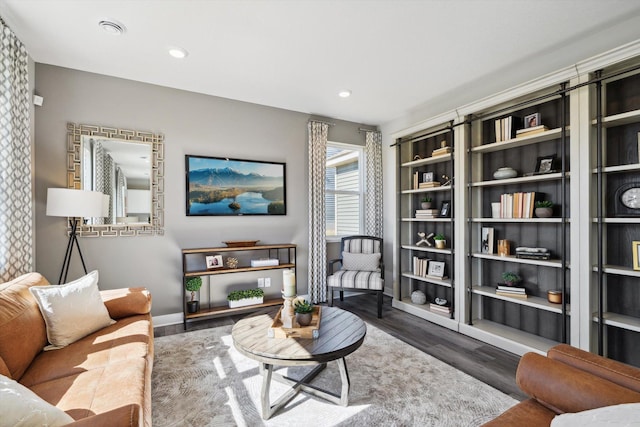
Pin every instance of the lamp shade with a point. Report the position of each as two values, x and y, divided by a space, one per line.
74 203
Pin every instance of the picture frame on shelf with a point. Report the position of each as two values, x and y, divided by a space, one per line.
544 164
532 120
486 240
214 261
436 269
635 247
445 208
427 177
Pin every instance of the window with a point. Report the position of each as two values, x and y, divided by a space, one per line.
344 189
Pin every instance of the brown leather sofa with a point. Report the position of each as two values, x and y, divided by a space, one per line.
568 380
103 379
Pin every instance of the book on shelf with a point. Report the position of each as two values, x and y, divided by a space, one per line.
511 294
531 131
517 205
533 253
513 289
441 151
506 128
420 266
440 308
428 184
427 213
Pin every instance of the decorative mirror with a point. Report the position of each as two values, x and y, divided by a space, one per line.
128 167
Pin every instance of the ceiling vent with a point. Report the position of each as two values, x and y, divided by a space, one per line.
112 27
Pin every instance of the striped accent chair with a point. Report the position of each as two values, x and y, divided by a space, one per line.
362 268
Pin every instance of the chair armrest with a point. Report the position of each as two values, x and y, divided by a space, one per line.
126 302
331 263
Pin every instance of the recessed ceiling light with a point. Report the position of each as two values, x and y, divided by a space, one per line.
178 52
112 26
344 93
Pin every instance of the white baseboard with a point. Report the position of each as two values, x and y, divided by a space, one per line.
167 319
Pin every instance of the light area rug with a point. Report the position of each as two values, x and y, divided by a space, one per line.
199 379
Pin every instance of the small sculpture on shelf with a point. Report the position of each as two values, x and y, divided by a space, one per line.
232 262
424 239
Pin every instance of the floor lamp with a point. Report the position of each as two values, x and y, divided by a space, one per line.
76 205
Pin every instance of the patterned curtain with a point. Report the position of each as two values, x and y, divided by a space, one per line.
16 201
373 182
318 133
121 193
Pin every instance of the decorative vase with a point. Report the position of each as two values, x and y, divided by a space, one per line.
418 297
303 319
425 205
544 212
440 244
504 173
193 306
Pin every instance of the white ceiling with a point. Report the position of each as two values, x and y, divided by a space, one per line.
397 57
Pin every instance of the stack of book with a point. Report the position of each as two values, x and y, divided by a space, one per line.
531 131
441 309
425 184
441 151
517 205
427 213
420 266
511 291
533 253
506 128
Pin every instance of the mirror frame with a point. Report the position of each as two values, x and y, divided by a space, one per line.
74 172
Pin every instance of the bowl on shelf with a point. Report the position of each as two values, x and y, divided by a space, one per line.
240 243
504 173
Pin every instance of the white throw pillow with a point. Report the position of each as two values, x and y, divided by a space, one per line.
360 262
20 407
624 415
71 311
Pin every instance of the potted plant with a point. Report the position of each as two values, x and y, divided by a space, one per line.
544 209
425 203
440 241
510 278
304 312
193 285
245 297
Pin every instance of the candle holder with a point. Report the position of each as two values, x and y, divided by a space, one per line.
288 316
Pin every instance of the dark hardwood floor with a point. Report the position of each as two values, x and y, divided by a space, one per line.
487 363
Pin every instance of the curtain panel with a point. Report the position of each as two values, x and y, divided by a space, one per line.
318 134
16 192
373 184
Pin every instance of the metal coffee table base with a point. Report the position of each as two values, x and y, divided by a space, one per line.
297 386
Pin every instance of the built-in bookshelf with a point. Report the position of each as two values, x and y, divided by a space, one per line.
426 195
616 213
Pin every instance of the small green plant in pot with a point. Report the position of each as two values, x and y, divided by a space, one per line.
245 297
544 209
193 285
510 278
440 241
425 203
304 311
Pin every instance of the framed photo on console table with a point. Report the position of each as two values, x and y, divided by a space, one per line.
214 261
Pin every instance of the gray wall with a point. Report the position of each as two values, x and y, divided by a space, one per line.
192 124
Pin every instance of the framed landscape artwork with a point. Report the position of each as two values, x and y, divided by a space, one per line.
221 186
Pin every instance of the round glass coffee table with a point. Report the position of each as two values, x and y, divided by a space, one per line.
341 333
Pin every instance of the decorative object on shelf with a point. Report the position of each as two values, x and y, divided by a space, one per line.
627 200
504 247
232 263
440 241
510 278
635 246
193 285
427 177
440 301
288 283
265 262
486 240
245 297
424 239
444 149
214 261
544 209
545 164
533 253
505 172
445 180
303 310
436 269
445 209
532 120
417 157
554 296
495 209
240 243
418 297
425 203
